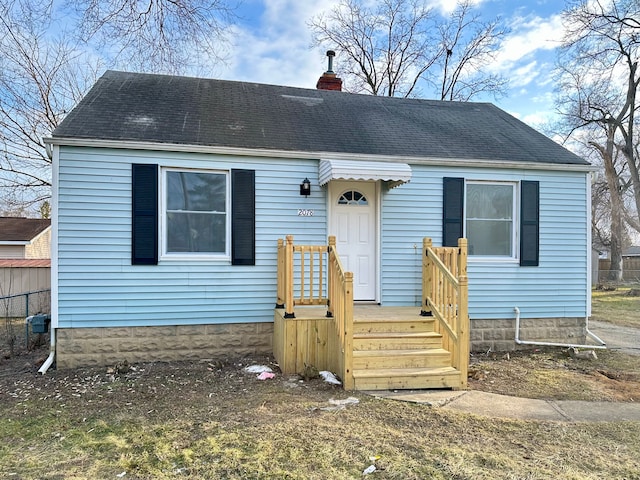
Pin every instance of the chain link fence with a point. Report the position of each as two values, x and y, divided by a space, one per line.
14 309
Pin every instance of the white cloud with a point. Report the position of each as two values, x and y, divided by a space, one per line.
537 120
544 97
278 49
528 36
522 76
448 6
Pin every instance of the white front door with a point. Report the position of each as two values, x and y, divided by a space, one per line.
353 222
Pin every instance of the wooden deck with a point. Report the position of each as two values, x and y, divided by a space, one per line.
393 347
317 323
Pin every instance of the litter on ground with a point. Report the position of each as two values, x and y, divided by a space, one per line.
257 369
345 401
266 375
330 378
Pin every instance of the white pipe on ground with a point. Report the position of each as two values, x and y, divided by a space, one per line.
602 345
52 354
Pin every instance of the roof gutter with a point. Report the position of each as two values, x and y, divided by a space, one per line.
263 152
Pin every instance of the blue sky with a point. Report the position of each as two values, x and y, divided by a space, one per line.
273 46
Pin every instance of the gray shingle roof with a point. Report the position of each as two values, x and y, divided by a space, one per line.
196 111
20 229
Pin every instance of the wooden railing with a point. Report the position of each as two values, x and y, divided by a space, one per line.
310 261
445 297
340 307
313 275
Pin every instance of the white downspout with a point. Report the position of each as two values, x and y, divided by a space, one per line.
602 345
54 155
52 353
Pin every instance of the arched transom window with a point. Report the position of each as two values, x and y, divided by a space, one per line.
352 197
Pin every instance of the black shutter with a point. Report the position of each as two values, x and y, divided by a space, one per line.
243 217
452 211
144 225
529 223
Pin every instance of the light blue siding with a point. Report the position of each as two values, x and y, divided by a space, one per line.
98 286
555 288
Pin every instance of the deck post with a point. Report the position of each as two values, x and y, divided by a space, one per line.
463 313
280 275
331 272
288 268
462 257
425 309
463 331
347 378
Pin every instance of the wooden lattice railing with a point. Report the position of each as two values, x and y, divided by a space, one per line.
445 297
301 275
313 275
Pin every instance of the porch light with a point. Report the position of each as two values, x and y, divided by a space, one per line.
305 187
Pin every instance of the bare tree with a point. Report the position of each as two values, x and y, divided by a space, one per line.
171 36
41 78
469 45
599 80
395 46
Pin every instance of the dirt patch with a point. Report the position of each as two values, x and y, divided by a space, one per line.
539 373
553 373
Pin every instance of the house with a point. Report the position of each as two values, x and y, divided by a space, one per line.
25 255
631 252
171 193
22 238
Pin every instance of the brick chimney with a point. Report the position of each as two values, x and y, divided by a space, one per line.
329 80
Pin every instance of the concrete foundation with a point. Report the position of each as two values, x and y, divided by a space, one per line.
76 347
499 334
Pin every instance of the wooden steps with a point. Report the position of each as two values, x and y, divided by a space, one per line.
423 358
406 378
404 325
403 352
396 340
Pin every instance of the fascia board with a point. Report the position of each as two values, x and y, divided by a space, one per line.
251 152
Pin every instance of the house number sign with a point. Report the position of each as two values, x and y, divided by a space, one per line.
305 213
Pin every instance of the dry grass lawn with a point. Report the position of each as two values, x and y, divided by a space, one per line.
201 421
620 307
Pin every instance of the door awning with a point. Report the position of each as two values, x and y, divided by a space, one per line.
394 174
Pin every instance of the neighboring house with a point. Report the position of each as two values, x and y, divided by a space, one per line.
25 237
25 258
170 194
631 252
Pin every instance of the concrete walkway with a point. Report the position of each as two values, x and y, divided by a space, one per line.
503 406
623 339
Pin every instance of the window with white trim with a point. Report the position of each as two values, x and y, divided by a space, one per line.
195 213
490 219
